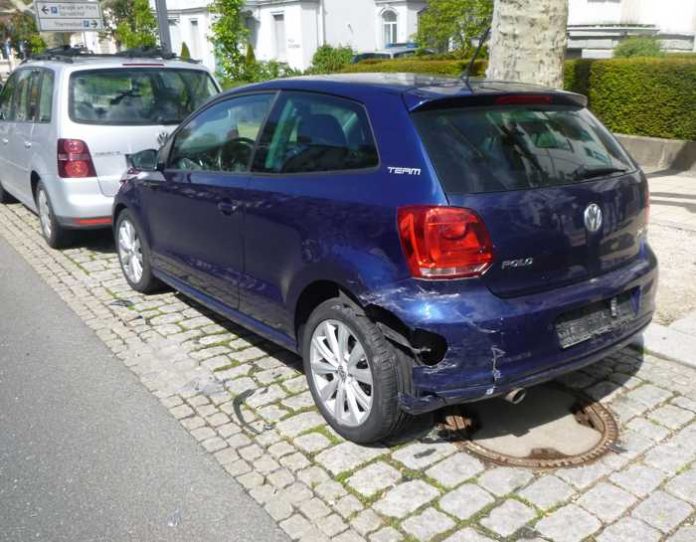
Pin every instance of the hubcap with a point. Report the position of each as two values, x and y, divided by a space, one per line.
44 213
129 251
341 373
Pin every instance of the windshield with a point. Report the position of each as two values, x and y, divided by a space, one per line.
138 96
485 149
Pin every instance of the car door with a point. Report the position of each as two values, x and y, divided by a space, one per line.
26 112
315 161
194 217
18 127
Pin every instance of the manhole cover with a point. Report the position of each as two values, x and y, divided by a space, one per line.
553 427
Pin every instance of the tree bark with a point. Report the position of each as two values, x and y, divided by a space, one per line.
528 41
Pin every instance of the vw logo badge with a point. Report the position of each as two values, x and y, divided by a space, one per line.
593 218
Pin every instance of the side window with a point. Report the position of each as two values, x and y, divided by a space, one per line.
221 138
313 132
6 97
46 97
33 98
20 97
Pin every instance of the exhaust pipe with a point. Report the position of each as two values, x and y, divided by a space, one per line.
516 396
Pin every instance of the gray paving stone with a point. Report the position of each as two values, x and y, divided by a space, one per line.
455 469
295 462
314 509
388 534
685 534
300 423
347 456
638 479
402 500
649 395
349 536
568 524
648 428
465 501
278 509
547 491
312 442
313 476
669 457
671 416
606 501
374 478
629 530
348 505
427 525
508 518
330 491
366 522
662 511
332 525
684 486
504 480
685 402
583 477
296 526
420 455
468 535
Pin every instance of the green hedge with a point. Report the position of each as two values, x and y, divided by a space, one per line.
640 96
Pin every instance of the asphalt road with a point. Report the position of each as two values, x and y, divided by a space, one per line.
86 453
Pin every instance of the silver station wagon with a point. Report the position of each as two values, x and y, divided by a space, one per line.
69 120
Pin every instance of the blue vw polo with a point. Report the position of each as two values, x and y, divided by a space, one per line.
419 241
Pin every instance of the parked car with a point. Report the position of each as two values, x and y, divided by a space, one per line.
395 51
68 120
420 242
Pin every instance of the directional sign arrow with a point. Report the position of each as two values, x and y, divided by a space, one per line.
95 24
44 9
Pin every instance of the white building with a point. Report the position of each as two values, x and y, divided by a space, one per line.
291 30
595 27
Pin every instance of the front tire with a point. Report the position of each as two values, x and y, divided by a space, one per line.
56 236
354 373
134 255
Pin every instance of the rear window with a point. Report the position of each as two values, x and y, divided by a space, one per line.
138 96
486 149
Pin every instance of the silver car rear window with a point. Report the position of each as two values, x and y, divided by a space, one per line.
138 96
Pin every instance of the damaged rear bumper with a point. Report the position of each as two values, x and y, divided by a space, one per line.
494 344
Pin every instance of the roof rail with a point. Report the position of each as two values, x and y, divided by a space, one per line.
68 53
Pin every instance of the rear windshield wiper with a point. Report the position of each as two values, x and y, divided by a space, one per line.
588 173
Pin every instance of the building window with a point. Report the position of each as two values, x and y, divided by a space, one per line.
280 40
195 39
390 27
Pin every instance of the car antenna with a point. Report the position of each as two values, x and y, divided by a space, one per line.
467 72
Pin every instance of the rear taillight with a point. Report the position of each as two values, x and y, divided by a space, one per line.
74 159
444 242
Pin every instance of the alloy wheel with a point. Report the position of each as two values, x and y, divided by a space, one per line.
45 214
130 252
341 373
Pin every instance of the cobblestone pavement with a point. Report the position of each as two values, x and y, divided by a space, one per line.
247 403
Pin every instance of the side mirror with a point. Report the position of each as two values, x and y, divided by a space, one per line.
144 160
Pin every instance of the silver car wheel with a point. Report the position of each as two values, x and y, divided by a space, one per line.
341 373
130 252
45 214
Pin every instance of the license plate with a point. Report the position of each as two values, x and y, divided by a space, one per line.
594 320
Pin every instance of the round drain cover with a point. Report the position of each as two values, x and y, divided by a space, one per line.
553 427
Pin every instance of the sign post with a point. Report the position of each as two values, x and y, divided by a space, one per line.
163 23
69 16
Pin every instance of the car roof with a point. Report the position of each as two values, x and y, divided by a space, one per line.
106 62
416 89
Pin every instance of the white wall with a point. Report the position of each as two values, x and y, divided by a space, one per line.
668 15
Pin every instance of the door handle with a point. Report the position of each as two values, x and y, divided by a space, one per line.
27 144
5 140
226 207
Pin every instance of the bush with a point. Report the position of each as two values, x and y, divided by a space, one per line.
418 65
639 96
638 46
185 53
328 59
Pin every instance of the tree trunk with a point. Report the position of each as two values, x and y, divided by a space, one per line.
528 41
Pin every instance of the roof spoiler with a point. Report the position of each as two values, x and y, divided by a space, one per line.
484 98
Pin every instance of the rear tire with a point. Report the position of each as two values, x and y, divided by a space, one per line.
56 236
134 255
367 410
